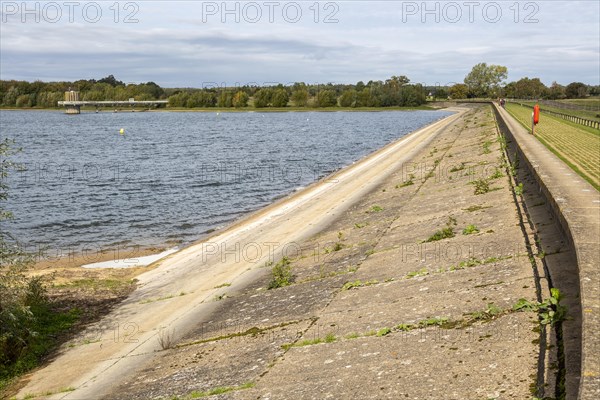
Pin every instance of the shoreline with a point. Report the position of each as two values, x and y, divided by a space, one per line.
239 110
195 270
109 254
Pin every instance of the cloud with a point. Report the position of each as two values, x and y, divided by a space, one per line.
174 44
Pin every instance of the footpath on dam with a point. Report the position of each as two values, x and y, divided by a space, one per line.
412 274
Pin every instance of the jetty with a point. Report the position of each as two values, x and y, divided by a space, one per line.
73 104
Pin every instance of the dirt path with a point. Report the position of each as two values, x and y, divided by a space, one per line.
175 297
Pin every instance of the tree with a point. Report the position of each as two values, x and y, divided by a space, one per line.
111 80
326 98
526 88
576 90
300 96
556 91
458 91
484 80
240 99
280 98
262 97
440 93
225 99
348 98
178 99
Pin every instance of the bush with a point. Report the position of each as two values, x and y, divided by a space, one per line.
28 327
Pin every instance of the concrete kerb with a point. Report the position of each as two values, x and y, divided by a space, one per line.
563 200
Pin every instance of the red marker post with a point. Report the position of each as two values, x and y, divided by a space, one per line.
535 118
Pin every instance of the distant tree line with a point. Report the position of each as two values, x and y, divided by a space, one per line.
394 92
484 81
40 94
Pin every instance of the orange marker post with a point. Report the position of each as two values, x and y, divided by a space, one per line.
535 118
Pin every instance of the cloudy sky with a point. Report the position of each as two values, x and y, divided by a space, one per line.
199 43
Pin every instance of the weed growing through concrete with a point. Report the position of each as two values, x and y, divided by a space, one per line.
444 233
413 274
281 274
375 209
470 229
457 168
358 283
486 147
408 182
482 186
519 189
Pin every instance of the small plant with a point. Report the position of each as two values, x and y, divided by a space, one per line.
222 285
491 312
350 285
445 233
338 246
330 338
375 209
405 327
360 225
457 168
281 274
550 310
421 272
383 332
519 189
476 208
541 254
486 147
470 229
352 335
496 175
405 183
435 321
165 338
482 186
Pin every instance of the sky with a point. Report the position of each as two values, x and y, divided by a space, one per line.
218 43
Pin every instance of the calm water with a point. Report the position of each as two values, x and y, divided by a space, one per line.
173 176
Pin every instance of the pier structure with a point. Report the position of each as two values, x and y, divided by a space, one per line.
73 104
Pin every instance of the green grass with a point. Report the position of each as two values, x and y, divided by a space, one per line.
49 326
587 114
577 147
